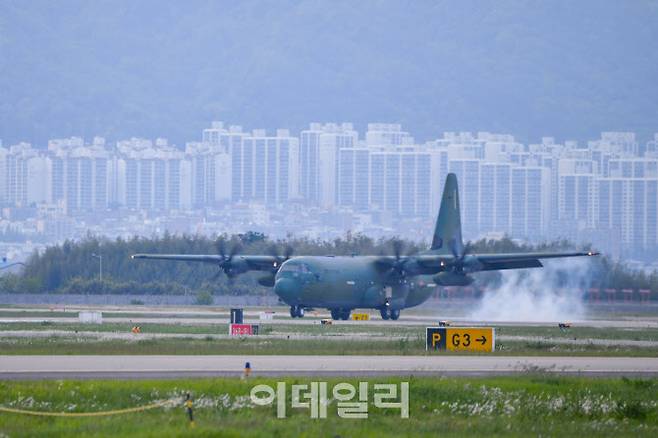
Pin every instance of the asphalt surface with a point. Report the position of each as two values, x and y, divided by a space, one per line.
120 367
410 320
202 317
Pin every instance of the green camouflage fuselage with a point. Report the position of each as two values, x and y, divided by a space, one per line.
347 283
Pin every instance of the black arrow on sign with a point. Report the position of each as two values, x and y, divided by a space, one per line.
482 340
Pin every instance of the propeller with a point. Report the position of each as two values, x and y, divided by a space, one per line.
395 267
225 264
459 253
279 259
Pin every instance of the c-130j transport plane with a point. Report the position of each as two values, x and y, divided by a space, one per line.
386 283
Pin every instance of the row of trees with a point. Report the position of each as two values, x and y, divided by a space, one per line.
72 268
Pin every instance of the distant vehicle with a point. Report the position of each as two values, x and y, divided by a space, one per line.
386 283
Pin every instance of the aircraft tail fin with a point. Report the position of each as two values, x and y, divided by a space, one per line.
448 230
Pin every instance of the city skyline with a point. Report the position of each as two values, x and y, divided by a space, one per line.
373 182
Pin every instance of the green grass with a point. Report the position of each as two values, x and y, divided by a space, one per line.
109 314
315 328
333 342
114 327
526 405
637 334
36 314
312 328
414 345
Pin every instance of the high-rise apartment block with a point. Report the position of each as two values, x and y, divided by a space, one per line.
604 191
265 168
319 148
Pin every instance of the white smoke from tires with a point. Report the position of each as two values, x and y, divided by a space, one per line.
552 293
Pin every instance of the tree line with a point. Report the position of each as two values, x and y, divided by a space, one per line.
73 268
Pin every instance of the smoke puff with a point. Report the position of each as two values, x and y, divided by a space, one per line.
549 294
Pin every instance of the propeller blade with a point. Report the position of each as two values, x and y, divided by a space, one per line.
412 252
273 251
221 247
452 244
235 250
468 248
397 248
225 265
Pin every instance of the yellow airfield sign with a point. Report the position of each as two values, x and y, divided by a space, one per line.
360 316
461 339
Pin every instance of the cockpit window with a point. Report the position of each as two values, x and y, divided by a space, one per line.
296 268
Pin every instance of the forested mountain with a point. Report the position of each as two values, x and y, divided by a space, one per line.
121 68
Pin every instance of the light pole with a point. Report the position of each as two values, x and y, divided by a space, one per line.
100 265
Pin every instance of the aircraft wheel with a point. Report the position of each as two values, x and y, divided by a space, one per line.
395 314
335 314
384 312
300 312
345 314
293 312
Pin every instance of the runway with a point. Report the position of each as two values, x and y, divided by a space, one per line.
411 321
130 314
142 367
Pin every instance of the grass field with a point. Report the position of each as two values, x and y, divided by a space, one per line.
204 330
262 345
106 314
314 328
339 338
525 405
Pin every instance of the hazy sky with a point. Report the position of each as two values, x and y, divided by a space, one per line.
155 68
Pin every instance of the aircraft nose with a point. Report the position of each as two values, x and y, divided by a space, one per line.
287 289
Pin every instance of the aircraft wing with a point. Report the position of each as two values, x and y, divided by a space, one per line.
253 262
493 262
180 257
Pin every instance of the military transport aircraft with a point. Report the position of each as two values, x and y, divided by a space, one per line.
386 283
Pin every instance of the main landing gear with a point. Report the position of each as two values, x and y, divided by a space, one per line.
296 311
388 313
343 314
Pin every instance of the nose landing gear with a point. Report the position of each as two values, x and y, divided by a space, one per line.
388 313
296 311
